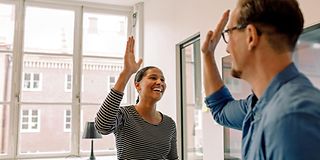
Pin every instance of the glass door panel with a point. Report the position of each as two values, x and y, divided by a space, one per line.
191 100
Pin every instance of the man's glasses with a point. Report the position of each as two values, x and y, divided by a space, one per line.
225 33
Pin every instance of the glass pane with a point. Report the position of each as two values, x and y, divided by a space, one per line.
193 112
96 73
7 26
50 72
239 90
48 30
5 92
107 143
48 128
4 127
5 76
307 54
104 34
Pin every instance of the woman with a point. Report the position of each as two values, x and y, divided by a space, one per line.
141 131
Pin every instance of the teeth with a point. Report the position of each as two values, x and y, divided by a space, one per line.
157 89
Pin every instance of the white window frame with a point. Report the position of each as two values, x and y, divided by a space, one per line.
18 75
32 81
30 123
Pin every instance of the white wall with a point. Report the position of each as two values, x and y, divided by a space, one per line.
168 22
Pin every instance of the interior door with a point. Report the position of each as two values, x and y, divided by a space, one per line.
190 99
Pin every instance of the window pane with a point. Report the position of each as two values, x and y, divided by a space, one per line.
4 128
27 76
239 90
193 111
24 119
51 71
48 129
104 34
48 30
7 26
107 143
96 72
5 76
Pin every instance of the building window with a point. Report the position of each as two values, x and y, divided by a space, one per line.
112 81
32 82
30 120
67 120
68 83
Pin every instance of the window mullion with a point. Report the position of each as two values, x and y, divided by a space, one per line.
16 77
76 88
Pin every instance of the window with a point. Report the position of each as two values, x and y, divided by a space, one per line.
190 104
7 21
240 90
54 61
68 83
104 40
112 81
67 120
32 82
30 120
47 58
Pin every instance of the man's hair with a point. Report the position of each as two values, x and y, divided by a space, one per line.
281 19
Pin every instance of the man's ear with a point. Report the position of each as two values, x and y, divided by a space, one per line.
252 36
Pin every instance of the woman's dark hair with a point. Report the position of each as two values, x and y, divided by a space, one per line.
140 74
281 18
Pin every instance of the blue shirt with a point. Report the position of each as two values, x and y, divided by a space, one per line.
284 124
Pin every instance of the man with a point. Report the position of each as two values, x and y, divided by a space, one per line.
281 118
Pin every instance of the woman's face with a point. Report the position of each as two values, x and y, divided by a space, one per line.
152 85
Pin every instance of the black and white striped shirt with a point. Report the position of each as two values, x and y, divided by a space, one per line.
136 138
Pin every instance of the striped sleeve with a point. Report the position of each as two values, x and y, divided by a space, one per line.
109 117
173 152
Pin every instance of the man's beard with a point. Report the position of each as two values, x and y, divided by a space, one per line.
236 73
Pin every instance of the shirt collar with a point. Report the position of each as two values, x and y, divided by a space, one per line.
280 79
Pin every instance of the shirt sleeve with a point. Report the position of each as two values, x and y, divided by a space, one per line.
294 137
109 116
225 110
173 152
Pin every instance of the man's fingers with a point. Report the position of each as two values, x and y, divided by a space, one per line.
127 46
206 42
223 22
132 45
209 35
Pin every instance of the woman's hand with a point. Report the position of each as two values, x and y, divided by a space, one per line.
130 64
